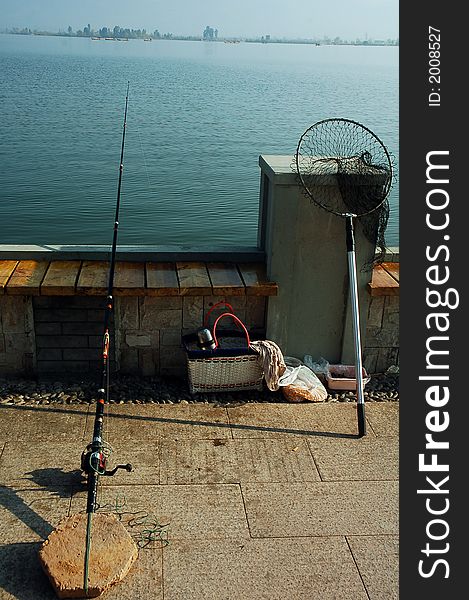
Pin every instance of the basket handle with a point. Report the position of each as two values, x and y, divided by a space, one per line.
238 321
212 308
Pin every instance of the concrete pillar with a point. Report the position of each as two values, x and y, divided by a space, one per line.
307 257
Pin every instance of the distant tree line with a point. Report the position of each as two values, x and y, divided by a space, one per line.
114 32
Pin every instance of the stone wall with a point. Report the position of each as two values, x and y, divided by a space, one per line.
381 345
381 349
149 329
69 333
17 340
45 334
63 334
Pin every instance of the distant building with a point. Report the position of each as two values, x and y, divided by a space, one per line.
210 34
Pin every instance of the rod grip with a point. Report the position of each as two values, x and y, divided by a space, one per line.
361 419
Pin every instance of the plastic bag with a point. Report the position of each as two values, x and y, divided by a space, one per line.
319 367
300 383
291 361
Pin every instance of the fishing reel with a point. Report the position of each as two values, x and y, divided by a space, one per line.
95 461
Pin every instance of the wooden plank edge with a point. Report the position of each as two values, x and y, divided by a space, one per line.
12 266
16 289
376 291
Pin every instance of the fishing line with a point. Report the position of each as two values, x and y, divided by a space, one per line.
147 530
145 166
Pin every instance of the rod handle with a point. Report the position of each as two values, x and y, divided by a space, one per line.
361 419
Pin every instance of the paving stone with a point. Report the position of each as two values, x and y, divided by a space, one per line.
383 418
210 553
260 569
275 420
203 512
61 423
31 515
144 581
42 465
112 554
367 458
232 461
325 508
143 458
18 582
177 421
377 558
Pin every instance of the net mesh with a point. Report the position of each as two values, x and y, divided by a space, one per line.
345 169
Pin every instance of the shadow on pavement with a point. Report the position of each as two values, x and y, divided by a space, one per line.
21 574
328 434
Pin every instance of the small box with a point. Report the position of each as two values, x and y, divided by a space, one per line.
342 377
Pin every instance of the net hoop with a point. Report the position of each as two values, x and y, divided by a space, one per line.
371 137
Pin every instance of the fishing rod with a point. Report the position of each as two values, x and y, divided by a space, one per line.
94 457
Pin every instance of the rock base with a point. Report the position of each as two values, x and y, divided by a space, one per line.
112 554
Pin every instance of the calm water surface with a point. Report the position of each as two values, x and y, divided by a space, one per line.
199 116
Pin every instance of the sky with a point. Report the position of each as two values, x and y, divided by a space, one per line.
348 19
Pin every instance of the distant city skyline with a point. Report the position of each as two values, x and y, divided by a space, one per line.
375 19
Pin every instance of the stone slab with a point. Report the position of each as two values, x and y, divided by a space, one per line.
383 418
210 552
260 569
43 465
112 553
31 515
318 509
18 582
377 558
363 459
275 420
144 581
194 512
14 313
232 461
144 459
57 423
155 421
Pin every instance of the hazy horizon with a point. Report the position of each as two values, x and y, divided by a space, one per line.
375 19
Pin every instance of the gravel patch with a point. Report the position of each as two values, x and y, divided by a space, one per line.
159 390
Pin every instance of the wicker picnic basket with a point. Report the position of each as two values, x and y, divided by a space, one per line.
231 366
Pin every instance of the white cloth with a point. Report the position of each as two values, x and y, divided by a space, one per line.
272 360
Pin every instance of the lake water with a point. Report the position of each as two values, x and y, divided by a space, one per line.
199 116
